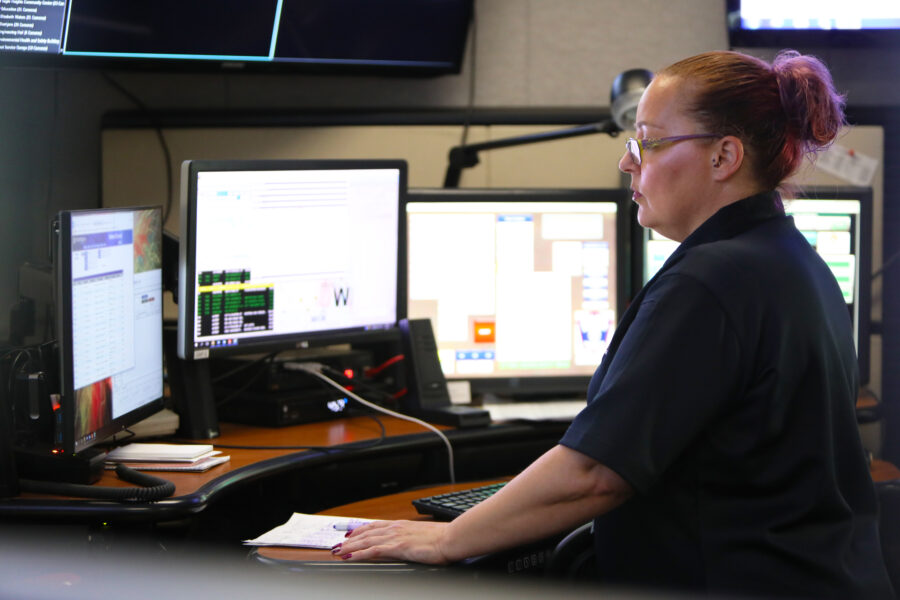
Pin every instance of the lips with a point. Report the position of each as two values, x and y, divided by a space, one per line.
635 195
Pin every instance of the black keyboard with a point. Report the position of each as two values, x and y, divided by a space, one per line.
446 507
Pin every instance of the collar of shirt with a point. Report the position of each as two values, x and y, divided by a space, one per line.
727 222
734 219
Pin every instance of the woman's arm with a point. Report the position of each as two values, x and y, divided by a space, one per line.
558 492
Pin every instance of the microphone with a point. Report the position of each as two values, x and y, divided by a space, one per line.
626 92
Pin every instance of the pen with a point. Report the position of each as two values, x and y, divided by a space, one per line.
349 525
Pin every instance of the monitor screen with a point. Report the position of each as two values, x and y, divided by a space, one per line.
837 221
285 254
765 23
109 282
523 287
333 35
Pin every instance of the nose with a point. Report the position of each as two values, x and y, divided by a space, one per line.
626 163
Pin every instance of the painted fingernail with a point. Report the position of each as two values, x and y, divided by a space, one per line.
348 533
336 548
346 556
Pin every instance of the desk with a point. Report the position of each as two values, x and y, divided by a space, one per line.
259 488
390 507
530 558
399 506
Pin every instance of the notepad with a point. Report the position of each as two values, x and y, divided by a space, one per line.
308 531
198 466
143 452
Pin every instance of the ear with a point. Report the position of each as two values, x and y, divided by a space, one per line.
727 158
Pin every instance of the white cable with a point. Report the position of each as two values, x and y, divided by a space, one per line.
312 368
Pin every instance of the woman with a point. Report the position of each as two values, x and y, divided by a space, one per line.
719 450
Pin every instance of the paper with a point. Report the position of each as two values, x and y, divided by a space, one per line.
551 410
197 466
308 531
161 452
848 164
460 391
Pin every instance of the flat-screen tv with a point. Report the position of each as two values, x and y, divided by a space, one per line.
523 287
395 36
108 265
764 23
837 221
287 254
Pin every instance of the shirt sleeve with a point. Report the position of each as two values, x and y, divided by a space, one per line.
676 370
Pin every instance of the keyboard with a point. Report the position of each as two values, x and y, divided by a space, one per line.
446 507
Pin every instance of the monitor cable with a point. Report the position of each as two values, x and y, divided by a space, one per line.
151 487
315 369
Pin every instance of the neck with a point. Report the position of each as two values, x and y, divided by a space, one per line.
717 196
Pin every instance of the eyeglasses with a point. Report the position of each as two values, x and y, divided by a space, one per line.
636 147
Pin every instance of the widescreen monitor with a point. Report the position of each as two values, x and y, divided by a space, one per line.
837 221
109 320
523 287
276 255
395 36
772 24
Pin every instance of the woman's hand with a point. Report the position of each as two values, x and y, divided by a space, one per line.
414 541
559 491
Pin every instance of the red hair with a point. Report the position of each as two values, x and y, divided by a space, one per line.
781 111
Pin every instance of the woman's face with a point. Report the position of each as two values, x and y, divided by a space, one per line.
670 185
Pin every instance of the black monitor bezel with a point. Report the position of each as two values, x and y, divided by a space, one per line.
187 252
539 387
64 440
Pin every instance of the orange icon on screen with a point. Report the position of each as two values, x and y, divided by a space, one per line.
485 332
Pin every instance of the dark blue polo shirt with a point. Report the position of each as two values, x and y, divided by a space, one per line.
727 400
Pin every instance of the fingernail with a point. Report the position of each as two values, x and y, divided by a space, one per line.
348 533
336 548
346 556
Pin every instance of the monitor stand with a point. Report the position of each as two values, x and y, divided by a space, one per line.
192 392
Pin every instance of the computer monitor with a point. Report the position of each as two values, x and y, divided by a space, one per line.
837 221
523 286
276 255
764 23
109 319
401 37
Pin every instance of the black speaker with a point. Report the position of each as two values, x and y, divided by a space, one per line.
192 392
427 396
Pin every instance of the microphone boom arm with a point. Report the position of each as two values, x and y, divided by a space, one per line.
466 155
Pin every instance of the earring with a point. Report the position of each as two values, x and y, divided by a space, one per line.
716 163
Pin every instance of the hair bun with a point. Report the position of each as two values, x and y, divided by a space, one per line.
814 110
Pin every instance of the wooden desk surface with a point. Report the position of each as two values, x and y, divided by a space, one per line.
264 443
266 452
399 506
884 471
391 507
411 455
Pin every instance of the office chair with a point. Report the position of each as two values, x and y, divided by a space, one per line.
573 557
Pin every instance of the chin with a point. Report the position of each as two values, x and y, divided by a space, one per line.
643 219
